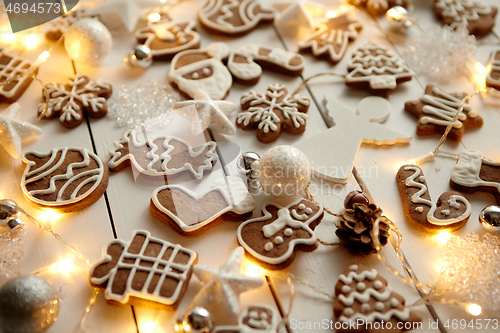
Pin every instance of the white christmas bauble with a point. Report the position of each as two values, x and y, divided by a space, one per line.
284 172
88 41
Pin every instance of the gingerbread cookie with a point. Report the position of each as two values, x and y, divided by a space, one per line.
273 112
376 68
162 156
234 17
474 173
13 69
331 37
253 319
493 78
246 62
451 211
67 179
166 38
191 213
479 19
194 70
273 238
436 109
144 269
71 101
56 28
364 301
379 7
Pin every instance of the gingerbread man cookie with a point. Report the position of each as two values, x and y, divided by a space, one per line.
474 173
331 37
273 112
194 70
479 19
451 211
493 78
273 238
67 179
144 269
162 156
234 17
376 68
71 101
13 69
436 109
246 63
166 38
191 213
365 300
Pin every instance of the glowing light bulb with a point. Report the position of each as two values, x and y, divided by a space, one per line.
154 17
8 37
252 270
443 236
43 56
480 68
148 326
49 215
394 14
63 266
331 14
474 309
31 42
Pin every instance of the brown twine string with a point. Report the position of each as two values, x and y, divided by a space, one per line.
304 82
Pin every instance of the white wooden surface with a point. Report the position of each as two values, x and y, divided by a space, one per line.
89 229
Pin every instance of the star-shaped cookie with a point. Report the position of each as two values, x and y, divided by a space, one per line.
224 285
207 113
13 130
437 108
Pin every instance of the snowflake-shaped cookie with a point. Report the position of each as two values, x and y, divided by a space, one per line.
273 112
79 96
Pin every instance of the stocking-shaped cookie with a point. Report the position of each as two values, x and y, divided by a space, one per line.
334 162
451 211
364 301
273 238
493 78
166 38
194 70
162 156
474 173
144 269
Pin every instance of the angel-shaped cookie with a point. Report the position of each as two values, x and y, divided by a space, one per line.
332 153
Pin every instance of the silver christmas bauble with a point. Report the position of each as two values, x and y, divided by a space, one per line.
246 160
8 210
140 56
490 218
88 41
28 304
198 320
398 18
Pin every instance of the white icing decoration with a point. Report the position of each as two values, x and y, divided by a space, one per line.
378 284
453 203
117 158
244 71
462 11
308 210
365 296
331 37
269 246
353 267
302 206
421 179
245 9
173 270
232 189
216 86
348 312
255 322
370 275
69 177
394 302
288 232
374 73
346 289
417 198
444 107
300 217
284 219
445 212
419 209
361 286
379 306
278 240
466 171
266 116
58 95
365 308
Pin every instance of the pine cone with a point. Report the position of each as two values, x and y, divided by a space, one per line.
356 226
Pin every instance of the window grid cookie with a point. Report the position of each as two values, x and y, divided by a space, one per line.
331 37
234 17
13 69
273 238
474 173
144 268
437 108
162 156
493 77
67 179
166 38
364 298
376 68
479 19
273 112
451 211
71 101
190 213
